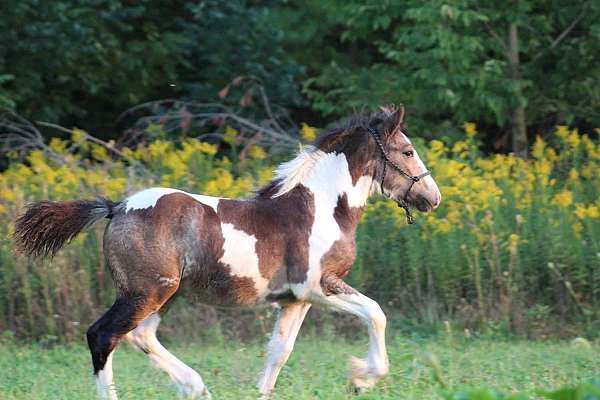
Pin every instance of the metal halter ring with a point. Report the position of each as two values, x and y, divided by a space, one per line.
413 178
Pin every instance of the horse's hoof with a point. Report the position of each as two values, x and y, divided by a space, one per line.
362 375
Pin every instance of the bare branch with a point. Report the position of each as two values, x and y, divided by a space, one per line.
21 136
108 145
562 35
261 123
496 36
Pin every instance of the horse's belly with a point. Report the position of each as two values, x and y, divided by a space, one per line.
232 276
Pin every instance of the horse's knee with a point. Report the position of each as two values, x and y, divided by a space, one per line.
377 316
144 337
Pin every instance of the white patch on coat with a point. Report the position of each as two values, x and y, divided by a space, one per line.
239 253
294 172
149 197
329 179
188 382
104 380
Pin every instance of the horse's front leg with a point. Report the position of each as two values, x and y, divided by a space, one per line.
282 341
363 373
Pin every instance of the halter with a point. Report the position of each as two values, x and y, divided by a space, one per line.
413 179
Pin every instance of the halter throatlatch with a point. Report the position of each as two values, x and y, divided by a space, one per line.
403 202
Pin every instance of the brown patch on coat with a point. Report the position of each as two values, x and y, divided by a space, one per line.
337 261
354 143
281 227
333 285
179 239
210 279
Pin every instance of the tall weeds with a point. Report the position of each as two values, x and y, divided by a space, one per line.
515 244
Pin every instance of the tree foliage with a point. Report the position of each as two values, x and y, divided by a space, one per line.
83 63
450 60
86 62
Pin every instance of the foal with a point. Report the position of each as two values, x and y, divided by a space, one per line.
292 244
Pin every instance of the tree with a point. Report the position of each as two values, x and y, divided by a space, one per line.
514 65
84 63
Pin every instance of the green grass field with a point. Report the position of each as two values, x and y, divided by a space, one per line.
316 369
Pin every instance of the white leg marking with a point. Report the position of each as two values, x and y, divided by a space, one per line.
104 380
364 373
282 342
188 382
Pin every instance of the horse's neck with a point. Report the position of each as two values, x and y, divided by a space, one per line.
336 193
331 178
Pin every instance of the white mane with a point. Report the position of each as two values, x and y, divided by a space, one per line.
297 170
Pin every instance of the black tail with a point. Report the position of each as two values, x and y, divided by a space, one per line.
46 225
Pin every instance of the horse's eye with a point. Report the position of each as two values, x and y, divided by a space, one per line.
408 153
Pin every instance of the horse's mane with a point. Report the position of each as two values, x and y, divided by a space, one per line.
332 139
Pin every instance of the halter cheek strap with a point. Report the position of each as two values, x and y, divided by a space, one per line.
403 202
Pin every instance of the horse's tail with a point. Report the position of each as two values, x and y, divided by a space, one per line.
47 225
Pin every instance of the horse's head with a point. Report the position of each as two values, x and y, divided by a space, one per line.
402 176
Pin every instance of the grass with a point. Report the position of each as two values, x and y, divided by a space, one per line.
316 370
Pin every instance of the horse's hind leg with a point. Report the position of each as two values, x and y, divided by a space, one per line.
282 341
187 380
104 335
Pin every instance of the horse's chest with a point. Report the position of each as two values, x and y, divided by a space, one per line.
338 260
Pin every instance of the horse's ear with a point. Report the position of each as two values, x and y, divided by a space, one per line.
387 110
394 118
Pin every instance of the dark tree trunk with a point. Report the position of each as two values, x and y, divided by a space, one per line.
518 124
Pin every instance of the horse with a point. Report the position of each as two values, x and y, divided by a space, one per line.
291 244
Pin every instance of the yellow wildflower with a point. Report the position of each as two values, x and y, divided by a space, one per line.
580 211
573 139
308 133
459 147
7 194
264 175
583 212
573 175
100 153
158 148
78 136
470 129
257 153
436 145
538 148
564 198
587 171
562 131
57 145
230 135
207 148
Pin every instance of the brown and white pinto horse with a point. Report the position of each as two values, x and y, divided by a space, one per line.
290 244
